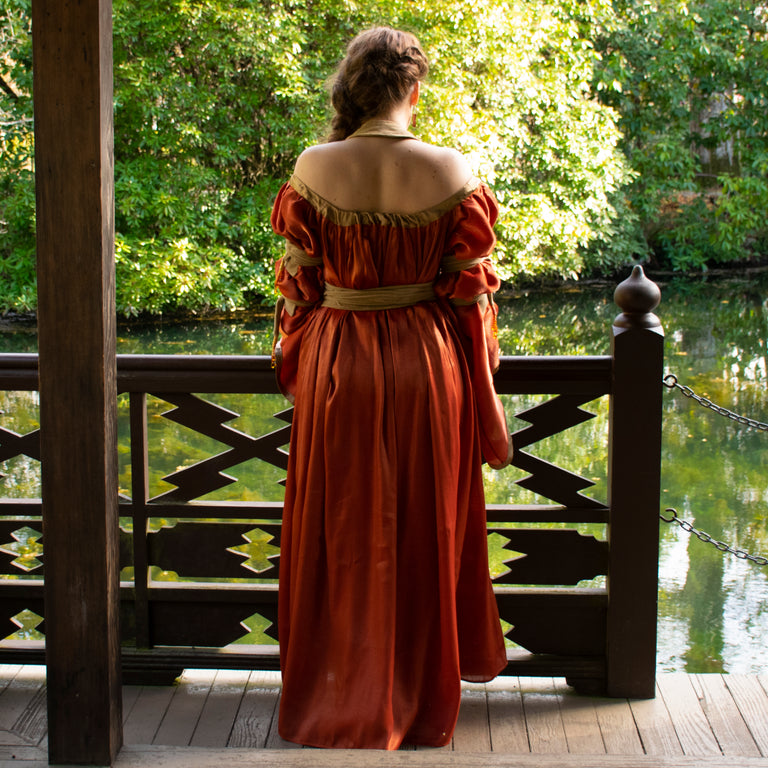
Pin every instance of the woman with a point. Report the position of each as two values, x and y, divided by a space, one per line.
387 349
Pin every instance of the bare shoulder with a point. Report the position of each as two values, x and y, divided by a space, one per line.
451 160
448 167
378 174
315 159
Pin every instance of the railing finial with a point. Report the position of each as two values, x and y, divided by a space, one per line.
637 296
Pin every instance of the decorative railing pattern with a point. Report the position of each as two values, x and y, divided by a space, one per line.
200 575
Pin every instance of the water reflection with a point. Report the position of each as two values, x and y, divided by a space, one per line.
714 472
713 608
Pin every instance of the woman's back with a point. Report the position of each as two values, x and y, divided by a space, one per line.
383 174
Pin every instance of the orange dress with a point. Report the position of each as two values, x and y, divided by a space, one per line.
385 599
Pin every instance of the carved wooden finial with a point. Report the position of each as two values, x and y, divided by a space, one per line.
637 296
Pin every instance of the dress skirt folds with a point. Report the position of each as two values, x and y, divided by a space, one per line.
385 600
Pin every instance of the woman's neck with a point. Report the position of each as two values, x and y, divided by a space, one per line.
400 115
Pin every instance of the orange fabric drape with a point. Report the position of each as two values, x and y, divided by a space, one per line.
385 598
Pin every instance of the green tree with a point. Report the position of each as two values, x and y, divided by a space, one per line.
214 100
689 79
512 87
17 191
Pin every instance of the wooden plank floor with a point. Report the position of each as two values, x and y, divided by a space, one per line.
212 716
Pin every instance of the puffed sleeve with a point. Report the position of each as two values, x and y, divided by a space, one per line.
469 281
299 281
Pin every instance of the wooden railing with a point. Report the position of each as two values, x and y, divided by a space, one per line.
225 553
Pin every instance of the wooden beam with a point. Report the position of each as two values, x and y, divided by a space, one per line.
72 50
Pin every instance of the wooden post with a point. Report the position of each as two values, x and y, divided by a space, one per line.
72 55
634 486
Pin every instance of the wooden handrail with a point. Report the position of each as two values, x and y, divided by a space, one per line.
253 373
600 638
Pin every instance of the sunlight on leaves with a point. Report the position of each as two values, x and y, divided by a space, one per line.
256 625
258 550
26 548
27 622
498 557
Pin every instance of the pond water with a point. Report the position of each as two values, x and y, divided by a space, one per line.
713 606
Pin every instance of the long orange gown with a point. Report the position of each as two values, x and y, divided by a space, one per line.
385 599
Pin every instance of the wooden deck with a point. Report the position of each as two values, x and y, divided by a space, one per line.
210 716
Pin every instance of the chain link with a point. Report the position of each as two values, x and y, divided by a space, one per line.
671 382
707 539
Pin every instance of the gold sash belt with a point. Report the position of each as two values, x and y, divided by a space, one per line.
451 264
295 257
384 297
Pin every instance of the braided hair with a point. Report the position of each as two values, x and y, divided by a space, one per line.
380 68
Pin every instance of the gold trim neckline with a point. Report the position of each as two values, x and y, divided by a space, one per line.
346 217
381 128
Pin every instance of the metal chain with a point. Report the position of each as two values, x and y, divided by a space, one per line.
707 539
670 381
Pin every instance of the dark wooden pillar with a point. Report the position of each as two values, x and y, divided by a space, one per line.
72 61
634 485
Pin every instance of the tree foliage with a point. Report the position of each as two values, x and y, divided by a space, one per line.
214 101
511 87
690 81
17 191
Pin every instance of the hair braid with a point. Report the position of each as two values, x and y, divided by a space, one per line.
380 67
